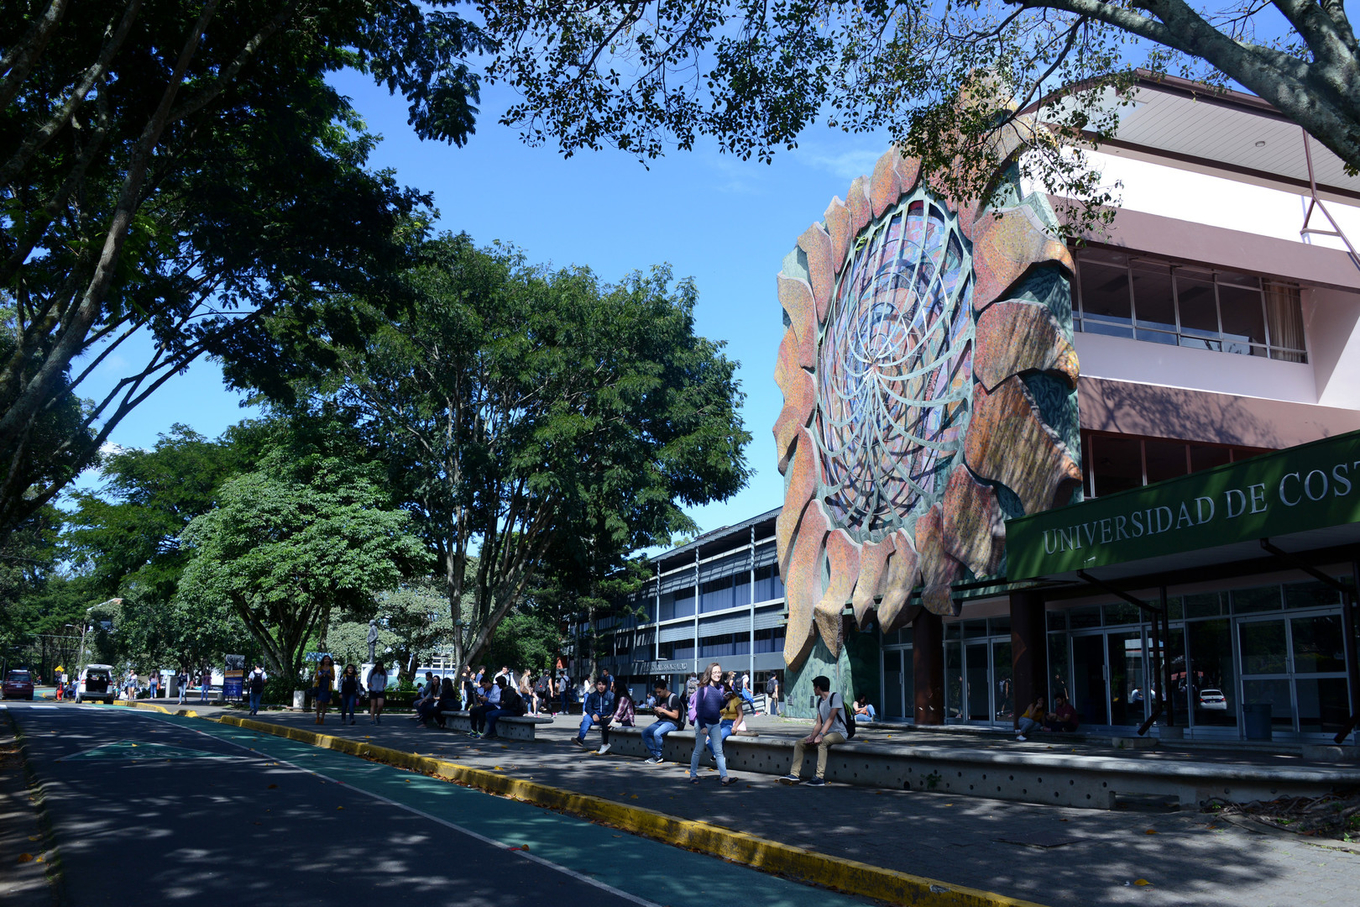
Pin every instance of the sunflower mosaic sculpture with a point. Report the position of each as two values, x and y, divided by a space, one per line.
906 418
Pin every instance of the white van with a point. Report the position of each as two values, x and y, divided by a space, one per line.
96 682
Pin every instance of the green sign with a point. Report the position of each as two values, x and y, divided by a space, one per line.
1311 486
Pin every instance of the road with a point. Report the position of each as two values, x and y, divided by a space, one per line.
153 809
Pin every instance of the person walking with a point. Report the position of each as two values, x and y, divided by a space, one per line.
564 691
324 683
350 688
255 688
182 683
772 694
377 692
708 703
155 683
205 685
526 692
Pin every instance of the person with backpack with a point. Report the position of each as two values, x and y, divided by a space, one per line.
772 694
706 708
670 716
828 730
255 687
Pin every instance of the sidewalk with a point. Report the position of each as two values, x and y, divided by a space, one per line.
1045 854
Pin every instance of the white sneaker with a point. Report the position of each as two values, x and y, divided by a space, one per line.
654 760
602 750
1021 737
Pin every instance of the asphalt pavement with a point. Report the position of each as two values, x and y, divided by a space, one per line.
1043 854
149 808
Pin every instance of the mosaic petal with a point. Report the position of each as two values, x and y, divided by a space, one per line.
843 557
908 169
1018 337
938 569
796 298
799 398
902 576
803 584
800 484
885 186
1009 443
974 526
873 563
837 218
1005 245
857 201
822 266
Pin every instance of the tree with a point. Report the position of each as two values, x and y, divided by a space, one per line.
181 169
640 74
519 409
307 533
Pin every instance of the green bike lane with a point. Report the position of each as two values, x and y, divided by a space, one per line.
643 870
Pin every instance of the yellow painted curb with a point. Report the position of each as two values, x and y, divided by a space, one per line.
768 856
183 713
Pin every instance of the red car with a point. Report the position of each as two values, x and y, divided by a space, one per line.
18 685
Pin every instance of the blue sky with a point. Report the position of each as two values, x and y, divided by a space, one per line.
725 222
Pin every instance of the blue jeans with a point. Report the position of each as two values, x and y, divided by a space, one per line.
491 717
566 701
347 703
586 724
724 731
1029 726
653 733
255 701
714 734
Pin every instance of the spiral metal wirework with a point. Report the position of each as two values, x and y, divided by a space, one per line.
894 369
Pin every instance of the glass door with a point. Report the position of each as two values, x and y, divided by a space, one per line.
1089 695
1128 677
1295 665
978 688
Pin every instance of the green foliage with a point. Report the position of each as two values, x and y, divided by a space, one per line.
304 535
754 75
553 421
524 639
186 169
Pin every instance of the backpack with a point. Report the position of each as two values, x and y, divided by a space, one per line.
512 702
848 716
256 683
694 706
679 711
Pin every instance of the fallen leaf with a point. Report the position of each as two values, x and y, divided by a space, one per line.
25 858
272 786
634 796
1150 831
339 807
1141 882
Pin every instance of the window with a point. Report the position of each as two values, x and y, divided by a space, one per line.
1159 301
1119 462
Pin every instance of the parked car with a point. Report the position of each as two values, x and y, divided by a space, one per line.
18 685
96 682
1213 699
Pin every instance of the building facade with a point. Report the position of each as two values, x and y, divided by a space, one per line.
1202 338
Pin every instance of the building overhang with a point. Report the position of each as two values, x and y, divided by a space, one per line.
1304 500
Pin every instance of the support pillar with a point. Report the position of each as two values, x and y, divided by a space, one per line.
927 661
1029 650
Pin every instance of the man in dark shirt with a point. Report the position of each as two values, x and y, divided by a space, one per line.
670 714
1063 717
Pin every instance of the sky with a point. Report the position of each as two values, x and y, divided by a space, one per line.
725 222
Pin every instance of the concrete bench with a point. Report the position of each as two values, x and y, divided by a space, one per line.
507 726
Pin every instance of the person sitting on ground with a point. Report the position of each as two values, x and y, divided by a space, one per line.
489 700
596 709
1031 719
1063 717
624 714
827 731
511 703
863 707
670 716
